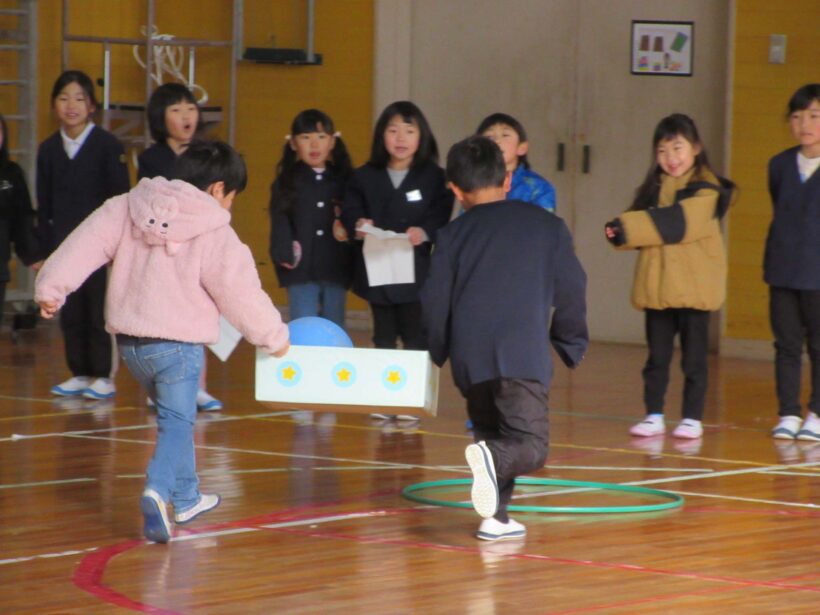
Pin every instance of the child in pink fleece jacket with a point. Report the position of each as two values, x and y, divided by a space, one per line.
176 264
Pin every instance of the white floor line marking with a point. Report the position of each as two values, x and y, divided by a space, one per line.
627 469
809 474
29 558
49 482
741 499
672 479
220 419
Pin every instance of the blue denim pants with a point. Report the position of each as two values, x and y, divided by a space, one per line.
169 372
318 299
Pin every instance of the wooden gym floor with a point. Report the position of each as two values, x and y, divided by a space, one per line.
312 520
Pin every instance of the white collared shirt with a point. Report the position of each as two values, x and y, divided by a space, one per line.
72 146
806 166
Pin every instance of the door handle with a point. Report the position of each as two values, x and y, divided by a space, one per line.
585 159
560 157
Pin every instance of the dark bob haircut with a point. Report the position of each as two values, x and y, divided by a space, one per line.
804 97
163 97
411 114
204 163
81 79
476 163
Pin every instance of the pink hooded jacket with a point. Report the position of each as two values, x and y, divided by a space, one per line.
177 264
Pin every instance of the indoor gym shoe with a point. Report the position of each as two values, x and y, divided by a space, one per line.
787 428
207 402
100 388
810 429
407 418
652 425
72 386
156 526
206 503
689 429
484 493
380 416
493 529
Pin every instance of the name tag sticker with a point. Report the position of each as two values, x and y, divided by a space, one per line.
413 196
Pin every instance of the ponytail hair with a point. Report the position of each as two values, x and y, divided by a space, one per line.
283 189
674 125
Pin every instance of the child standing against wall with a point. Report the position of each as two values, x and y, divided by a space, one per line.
78 168
176 265
504 279
527 185
308 244
674 223
16 215
401 189
792 266
174 118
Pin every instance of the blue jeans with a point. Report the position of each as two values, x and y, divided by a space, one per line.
169 372
318 299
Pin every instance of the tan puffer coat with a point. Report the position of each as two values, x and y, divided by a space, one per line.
690 273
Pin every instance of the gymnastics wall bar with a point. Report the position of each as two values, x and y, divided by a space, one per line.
134 114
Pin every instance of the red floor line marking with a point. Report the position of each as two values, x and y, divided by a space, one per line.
664 598
559 560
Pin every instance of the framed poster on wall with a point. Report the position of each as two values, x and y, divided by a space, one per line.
662 48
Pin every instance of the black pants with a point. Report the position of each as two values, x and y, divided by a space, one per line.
510 415
2 301
82 319
398 320
661 328
795 320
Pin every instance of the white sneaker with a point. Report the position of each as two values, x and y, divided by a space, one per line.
689 429
100 388
207 402
493 529
786 428
652 425
156 526
407 418
484 493
810 430
206 503
72 386
379 416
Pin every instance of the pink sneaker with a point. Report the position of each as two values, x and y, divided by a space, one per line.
652 425
688 429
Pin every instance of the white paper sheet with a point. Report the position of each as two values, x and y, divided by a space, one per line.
388 257
228 339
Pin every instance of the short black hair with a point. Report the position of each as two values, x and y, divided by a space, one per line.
476 163
804 97
81 79
204 163
409 113
163 97
508 120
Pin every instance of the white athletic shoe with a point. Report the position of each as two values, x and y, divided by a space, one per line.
786 428
484 493
72 386
206 503
688 429
652 425
100 388
810 430
493 529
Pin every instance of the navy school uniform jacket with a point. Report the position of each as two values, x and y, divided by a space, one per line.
70 189
421 200
497 273
310 222
157 161
16 219
792 257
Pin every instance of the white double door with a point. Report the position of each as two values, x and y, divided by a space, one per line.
562 68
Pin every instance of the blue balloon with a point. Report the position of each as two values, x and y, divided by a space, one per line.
316 331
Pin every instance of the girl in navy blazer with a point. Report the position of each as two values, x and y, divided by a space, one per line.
79 167
402 189
308 245
792 266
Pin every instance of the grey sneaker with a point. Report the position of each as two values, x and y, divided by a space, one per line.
485 486
206 503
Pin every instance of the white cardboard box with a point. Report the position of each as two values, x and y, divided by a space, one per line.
359 380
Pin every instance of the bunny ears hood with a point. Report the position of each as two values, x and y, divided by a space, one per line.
171 213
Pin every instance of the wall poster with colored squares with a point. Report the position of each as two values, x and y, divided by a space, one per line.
662 48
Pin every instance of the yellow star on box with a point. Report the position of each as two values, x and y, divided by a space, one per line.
288 373
343 375
393 377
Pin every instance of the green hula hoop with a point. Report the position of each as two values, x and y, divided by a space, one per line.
676 500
